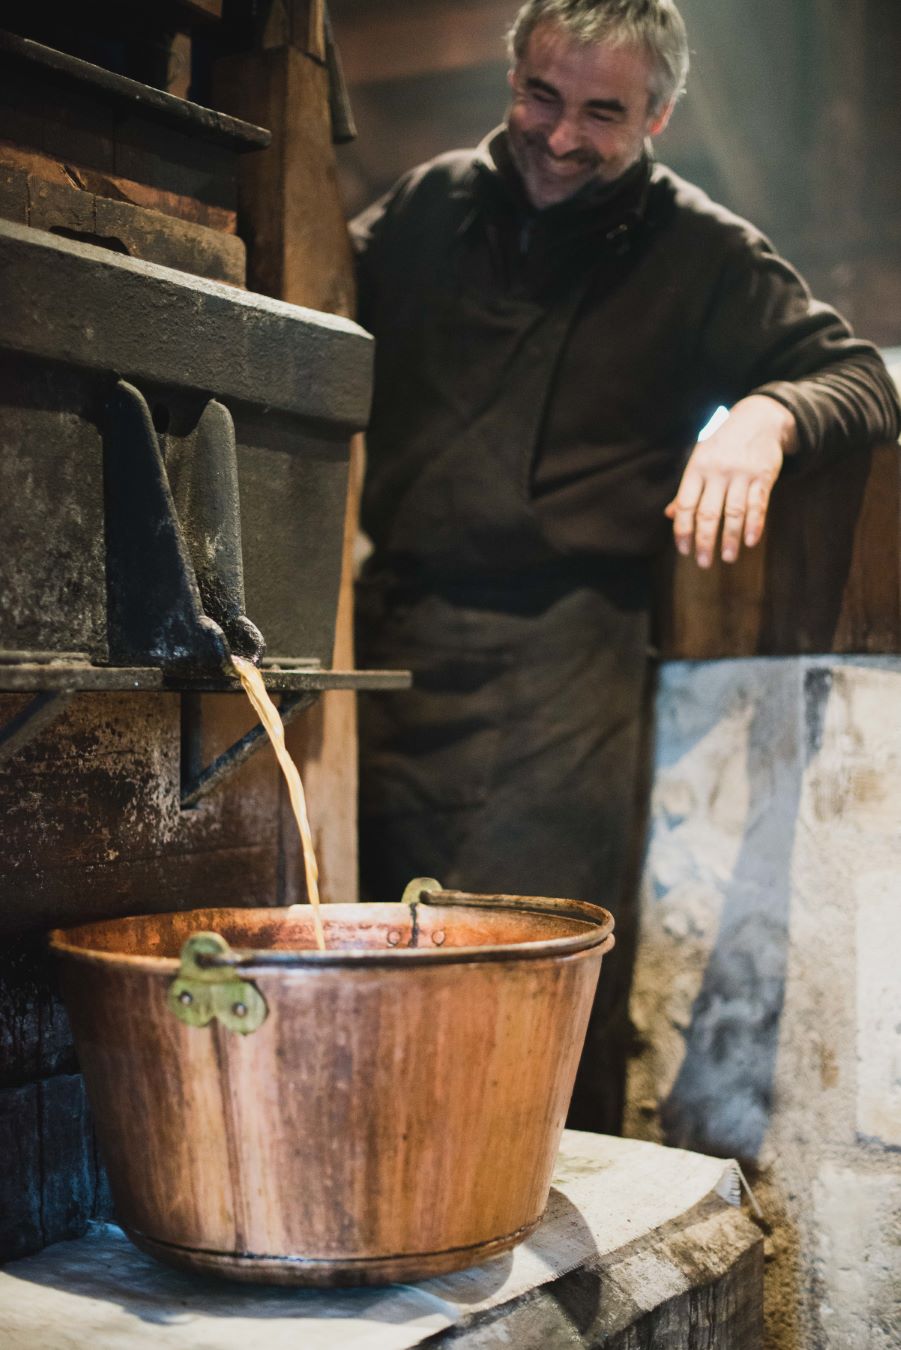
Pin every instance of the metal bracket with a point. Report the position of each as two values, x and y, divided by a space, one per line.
201 992
197 782
162 610
55 683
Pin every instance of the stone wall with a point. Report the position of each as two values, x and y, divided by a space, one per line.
767 1001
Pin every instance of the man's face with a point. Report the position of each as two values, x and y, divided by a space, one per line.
580 113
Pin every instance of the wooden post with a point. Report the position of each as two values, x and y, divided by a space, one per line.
291 217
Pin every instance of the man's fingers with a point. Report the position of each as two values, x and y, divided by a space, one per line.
682 510
755 519
727 482
734 518
707 519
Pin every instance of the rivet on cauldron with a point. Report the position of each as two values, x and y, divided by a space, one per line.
393 938
438 937
185 998
239 1009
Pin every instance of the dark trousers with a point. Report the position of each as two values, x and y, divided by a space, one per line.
515 763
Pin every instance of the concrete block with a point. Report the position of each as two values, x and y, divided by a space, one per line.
717 886
878 897
857 1212
767 997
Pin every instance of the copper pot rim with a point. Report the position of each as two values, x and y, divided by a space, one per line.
597 935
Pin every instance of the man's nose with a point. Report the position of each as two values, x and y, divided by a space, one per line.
564 137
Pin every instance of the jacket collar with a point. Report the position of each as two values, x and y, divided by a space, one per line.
493 184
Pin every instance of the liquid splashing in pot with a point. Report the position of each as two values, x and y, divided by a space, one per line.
267 712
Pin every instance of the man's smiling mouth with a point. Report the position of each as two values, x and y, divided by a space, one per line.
562 166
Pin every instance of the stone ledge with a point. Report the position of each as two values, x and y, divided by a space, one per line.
641 1246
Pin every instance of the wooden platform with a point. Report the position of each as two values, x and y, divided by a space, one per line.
641 1246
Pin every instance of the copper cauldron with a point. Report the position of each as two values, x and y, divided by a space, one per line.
385 1110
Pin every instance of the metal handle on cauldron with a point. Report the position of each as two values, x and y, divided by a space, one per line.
428 891
208 957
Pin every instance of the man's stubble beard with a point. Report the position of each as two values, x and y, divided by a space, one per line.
530 151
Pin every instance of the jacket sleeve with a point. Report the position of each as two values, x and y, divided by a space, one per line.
373 237
365 232
766 335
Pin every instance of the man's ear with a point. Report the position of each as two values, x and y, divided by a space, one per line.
660 119
511 75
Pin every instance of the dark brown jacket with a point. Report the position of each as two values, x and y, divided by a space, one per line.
542 376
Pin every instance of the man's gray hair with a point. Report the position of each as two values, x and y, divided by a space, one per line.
656 25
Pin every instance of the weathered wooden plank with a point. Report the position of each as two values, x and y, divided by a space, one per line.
870 617
69 172
295 23
141 233
61 208
324 742
72 125
697 1284
159 327
92 826
51 483
166 159
703 615
57 106
51 1184
86 93
13 193
173 243
291 214
35 1040
298 249
20 1193
244 876
315 28
68 1169
833 577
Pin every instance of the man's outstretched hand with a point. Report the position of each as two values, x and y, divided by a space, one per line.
729 478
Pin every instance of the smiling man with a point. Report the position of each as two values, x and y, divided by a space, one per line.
556 318
580 114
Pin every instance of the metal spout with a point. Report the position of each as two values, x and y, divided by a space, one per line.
175 576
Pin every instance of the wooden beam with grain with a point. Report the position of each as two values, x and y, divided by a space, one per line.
70 173
292 218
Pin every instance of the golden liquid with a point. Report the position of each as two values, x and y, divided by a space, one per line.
267 712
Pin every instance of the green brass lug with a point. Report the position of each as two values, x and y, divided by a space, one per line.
201 992
414 889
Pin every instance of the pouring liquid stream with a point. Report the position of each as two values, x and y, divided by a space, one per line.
267 712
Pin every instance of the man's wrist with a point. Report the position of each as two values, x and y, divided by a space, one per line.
771 414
